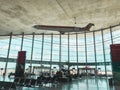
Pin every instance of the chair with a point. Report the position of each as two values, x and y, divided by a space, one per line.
16 81
21 82
33 82
27 83
39 81
7 85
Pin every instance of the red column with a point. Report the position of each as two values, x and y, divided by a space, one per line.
20 64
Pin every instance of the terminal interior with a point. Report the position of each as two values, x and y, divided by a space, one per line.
32 59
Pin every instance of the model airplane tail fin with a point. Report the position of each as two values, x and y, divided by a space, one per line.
88 26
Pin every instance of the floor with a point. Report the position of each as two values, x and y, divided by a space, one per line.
84 83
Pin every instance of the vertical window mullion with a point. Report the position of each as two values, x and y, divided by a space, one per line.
95 50
85 49
8 53
22 41
60 53
68 52
104 51
42 48
111 35
77 49
51 51
32 51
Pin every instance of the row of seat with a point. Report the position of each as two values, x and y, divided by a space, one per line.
4 85
35 82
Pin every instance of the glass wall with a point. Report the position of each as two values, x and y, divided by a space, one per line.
80 50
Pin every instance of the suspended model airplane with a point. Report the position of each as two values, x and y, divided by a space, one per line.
64 29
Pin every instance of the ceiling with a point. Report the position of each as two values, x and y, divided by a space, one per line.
19 16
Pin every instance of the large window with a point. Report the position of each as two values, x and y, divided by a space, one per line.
81 49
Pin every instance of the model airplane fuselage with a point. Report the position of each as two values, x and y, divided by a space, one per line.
64 29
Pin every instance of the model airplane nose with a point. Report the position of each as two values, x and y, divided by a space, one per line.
36 26
93 24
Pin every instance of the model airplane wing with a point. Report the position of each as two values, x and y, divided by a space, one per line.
63 29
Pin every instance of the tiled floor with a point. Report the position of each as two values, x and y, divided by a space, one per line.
85 83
